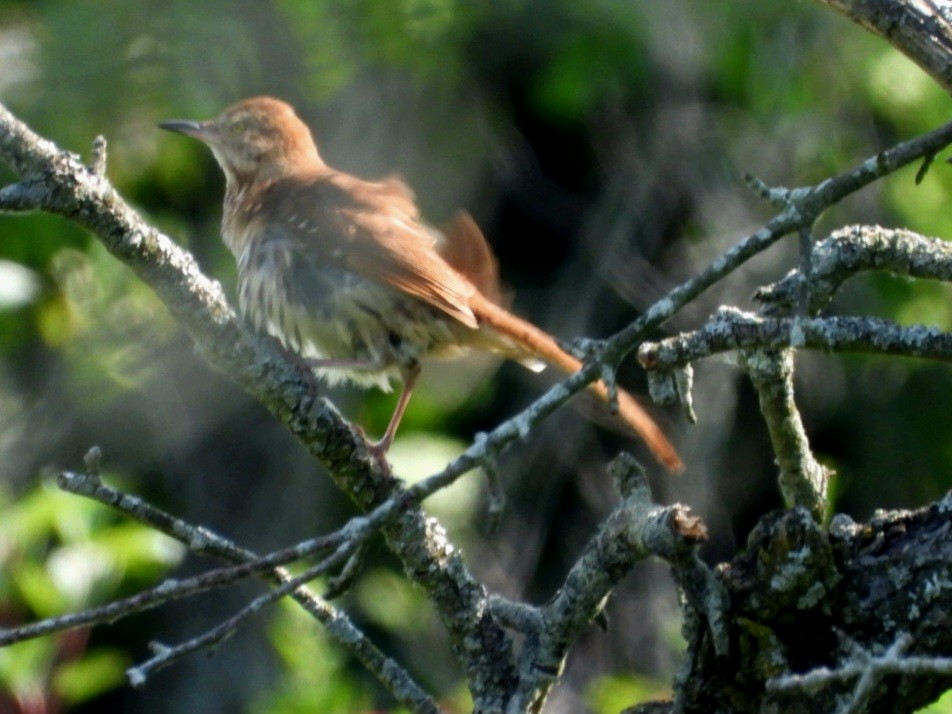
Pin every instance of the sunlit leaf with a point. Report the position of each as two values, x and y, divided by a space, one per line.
91 675
18 285
315 675
24 665
421 454
609 695
943 705
392 601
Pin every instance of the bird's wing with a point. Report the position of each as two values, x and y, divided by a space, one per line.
372 230
464 247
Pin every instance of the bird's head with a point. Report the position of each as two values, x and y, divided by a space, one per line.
257 139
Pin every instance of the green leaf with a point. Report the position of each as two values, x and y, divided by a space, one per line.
23 665
392 602
134 547
316 677
39 590
943 705
609 695
95 673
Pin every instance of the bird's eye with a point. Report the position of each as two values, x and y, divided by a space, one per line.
239 126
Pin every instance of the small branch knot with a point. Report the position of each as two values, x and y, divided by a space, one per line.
629 477
93 462
688 526
608 379
487 460
97 159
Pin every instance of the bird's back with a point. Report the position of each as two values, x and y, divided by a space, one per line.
324 269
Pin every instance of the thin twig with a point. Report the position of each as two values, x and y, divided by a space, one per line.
71 190
202 540
636 529
866 670
731 329
802 207
167 655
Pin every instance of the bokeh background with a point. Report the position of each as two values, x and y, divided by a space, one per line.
600 145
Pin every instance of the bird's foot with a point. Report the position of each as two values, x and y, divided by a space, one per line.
379 449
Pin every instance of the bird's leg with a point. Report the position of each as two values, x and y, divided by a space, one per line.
410 374
358 365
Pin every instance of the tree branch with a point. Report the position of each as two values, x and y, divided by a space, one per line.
818 603
920 29
801 207
765 343
636 529
803 480
731 329
204 541
76 192
852 250
164 655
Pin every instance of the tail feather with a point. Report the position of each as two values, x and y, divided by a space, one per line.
524 340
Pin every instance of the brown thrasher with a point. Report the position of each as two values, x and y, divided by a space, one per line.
345 273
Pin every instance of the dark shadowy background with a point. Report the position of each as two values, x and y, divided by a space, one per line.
600 146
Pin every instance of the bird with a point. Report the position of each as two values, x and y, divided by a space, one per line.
349 278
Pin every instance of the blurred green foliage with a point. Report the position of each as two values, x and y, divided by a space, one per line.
315 675
609 695
318 677
530 113
60 554
942 706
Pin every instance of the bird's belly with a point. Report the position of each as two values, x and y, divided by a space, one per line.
331 314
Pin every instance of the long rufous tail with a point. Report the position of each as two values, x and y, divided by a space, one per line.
537 343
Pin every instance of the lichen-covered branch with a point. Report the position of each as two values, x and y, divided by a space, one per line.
636 529
201 540
766 343
829 606
920 29
61 184
803 480
801 207
732 329
852 250
765 346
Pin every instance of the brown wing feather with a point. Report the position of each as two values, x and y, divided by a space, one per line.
373 229
464 247
396 253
